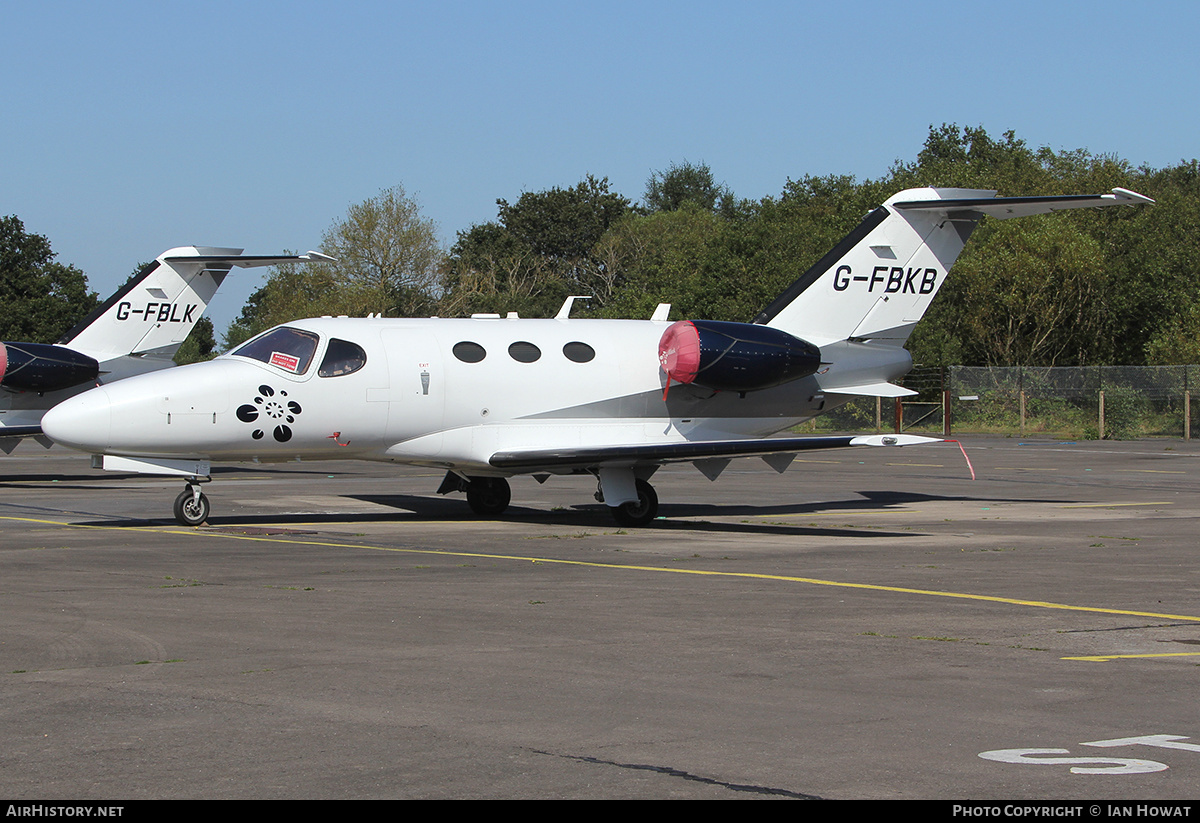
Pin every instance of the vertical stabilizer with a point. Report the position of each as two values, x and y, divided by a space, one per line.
878 282
151 315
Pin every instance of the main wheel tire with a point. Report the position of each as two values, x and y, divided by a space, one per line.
488 496
191 510
639 513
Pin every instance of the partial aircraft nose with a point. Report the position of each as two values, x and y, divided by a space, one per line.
164 413
82 422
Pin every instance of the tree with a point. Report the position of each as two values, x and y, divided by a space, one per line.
198 345
386 261
1030 292
686 183
40 300
388 253
540 249
663 258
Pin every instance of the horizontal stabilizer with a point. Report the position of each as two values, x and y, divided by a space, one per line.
1003 208
249 261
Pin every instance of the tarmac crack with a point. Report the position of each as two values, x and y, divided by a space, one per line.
672 772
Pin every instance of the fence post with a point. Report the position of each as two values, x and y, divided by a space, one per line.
1187 415
899 416
1102 414
1022 413
878 414
945 413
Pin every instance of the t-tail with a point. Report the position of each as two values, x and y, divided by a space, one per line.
151 315
878 281
861 301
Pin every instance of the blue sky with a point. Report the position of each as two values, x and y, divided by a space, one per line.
132 127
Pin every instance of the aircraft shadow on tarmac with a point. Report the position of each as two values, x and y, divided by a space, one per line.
676 516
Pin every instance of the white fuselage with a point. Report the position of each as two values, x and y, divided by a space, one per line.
540 384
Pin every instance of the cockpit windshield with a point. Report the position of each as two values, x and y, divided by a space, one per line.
288 349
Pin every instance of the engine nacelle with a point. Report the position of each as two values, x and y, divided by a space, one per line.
42 368
734 356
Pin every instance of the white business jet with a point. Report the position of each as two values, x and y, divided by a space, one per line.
488 397
137 330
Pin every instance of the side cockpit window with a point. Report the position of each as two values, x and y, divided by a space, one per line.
342 357
288 349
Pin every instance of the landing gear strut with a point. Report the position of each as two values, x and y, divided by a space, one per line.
191 506
639 513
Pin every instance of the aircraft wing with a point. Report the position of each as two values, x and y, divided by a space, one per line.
590 457
20 431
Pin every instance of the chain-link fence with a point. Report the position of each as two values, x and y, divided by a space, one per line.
1112 402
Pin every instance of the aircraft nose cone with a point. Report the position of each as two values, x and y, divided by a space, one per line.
82 422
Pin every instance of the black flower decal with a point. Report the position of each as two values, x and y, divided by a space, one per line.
268 405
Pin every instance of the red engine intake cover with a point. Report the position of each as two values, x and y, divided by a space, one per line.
741 357
679 351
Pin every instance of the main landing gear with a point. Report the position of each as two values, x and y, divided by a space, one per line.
487 496
490 496
638 514
191 506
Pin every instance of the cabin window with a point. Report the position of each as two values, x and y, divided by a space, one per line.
524 352
290 350
342 357
578 352
469 352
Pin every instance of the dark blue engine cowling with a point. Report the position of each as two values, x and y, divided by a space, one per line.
735 356
42 368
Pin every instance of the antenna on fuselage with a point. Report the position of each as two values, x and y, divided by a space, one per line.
565 312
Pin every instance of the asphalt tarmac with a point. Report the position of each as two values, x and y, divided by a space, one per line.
872 623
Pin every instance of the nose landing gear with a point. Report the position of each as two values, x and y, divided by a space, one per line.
191 506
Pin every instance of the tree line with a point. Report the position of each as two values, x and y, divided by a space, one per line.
1088 287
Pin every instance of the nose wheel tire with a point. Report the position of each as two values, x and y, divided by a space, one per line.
191 510
488 496
641 512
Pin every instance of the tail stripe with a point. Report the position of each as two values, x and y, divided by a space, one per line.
823 265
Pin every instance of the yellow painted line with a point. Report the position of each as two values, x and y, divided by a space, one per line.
1023 469
926 465
830 462
1112 505
984 598
1102 658
1151 471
